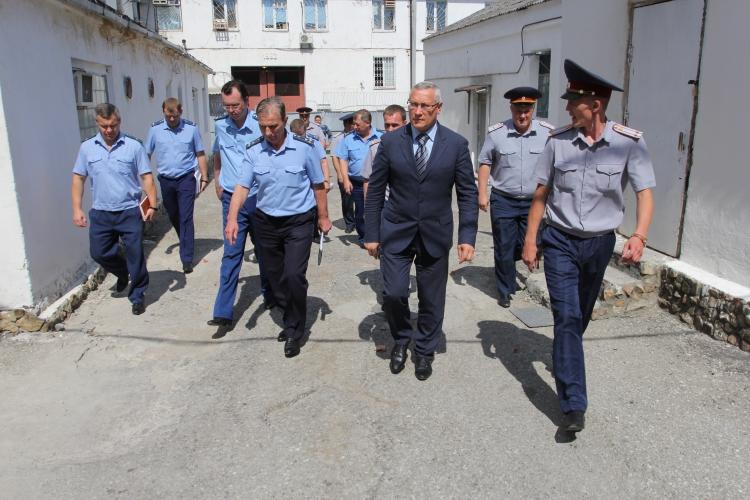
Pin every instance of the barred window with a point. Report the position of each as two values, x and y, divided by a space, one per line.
315 15
90 90
169 16
225 14
274 15
542 104
383 15
383 72
436 15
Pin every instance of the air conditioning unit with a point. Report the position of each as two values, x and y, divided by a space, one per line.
166 3
305 40
390 3
220 25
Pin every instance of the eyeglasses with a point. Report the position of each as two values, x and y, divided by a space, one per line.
232 107
426 107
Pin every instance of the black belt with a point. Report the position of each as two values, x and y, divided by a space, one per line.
189 172
508 195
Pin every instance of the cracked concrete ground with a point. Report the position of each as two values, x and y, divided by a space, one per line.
119 406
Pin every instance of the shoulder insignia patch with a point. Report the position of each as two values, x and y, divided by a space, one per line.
220 118
627 131
255 141
307 141
134 138
157 122
188 122
546 124
560 130
89 138
375 143
494 127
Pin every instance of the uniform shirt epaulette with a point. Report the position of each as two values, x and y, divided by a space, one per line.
220 118
494 127
188 122
307 141
157 122
134 138
560 130
89 138
255 141
627 131
546 124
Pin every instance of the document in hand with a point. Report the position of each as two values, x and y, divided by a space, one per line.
198 177
145 205
320 249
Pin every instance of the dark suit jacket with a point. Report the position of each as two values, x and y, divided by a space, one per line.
423 207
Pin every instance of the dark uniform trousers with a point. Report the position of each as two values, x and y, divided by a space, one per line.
231 261
107 228
347 208
358 200
574 269
509 217
432 276
284 243
178 197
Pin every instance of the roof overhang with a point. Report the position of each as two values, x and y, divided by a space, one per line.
477 88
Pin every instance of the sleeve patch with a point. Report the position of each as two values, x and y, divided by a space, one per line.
546 125
255 141
627 131
494 127
561 129
307 141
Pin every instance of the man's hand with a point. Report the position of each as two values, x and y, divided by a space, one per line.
632 251
230 232
484 201
327 184
530 255
203 185
79 218
373 249
465 253
324 224
219 189
348 186
149 214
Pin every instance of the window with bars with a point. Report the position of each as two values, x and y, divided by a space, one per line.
90 90
383 72
542 104
383 15
225 14
169 16
274 15
315 15
436 15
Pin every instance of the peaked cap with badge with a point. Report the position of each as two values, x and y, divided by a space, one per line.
523 95
583 83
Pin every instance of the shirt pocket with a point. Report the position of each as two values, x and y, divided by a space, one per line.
293 176
93 165
609 176
125 167
507 158
567 176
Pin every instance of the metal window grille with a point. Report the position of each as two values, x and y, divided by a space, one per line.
168 16
383 72
542 104
215 105
315 13
225 14
274 15
436 10
383 15
90 90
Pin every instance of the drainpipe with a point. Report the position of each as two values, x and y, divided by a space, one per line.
412 42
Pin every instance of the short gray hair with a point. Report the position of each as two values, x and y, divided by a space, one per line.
271 103
429 86
106 110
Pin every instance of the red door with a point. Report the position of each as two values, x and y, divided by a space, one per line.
285 82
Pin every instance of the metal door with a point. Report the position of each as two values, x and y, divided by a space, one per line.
480 130
663 67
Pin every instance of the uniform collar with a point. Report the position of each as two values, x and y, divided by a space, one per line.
373 135
100 140
533 128
605 137
248 120
288 144
178 127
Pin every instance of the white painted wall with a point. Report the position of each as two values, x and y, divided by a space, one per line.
716 232
341 59
43 138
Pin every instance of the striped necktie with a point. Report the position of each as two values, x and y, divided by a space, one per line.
421 156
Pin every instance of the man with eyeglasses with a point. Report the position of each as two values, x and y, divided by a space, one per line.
507 161
422 162
394 117
234 132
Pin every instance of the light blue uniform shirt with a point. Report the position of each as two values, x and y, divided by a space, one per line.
114 173
512 156
175 148
284 177
353 148
230 143
586 181
318 146
430 140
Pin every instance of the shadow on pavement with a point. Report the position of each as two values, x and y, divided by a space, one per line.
159 282
203 246
481 278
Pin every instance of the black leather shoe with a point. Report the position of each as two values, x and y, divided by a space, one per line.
187 267
504 302
291 348
282 336
574 421
422 367
122 283
399 354
349 230
269 304
219 322
138 308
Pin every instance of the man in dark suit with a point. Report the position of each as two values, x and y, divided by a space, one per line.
420 162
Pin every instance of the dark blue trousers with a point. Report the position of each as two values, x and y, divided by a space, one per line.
509 216
358 200
432 276
347 208
105 231
574 268
178 197
231 261
284 243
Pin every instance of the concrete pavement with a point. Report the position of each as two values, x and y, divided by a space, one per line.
118 406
